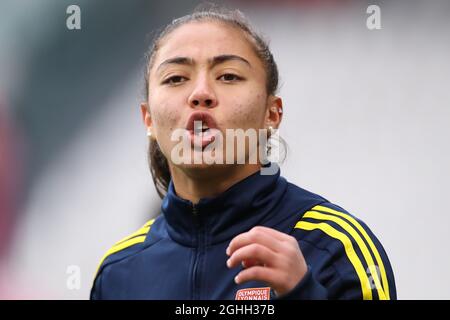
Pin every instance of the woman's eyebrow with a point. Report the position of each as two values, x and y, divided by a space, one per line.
212 62
227 57
176 60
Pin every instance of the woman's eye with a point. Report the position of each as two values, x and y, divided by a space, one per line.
230 77
174 80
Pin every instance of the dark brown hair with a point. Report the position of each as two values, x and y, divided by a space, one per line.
159 167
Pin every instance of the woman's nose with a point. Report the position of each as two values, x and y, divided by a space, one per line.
203 95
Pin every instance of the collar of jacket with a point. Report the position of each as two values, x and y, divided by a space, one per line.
249 202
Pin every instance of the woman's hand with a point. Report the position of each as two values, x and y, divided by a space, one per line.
267 255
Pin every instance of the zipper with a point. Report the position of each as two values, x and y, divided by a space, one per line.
198 252
194 211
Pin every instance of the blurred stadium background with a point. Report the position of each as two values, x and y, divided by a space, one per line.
366 120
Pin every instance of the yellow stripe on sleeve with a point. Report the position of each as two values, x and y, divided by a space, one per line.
362 246
369 241
141 231
135 238
349 250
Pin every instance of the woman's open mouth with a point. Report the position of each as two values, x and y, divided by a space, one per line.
202 129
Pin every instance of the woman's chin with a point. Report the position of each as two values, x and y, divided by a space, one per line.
204 169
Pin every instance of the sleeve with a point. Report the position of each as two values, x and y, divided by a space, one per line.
121 249
345 259
307 289
96 289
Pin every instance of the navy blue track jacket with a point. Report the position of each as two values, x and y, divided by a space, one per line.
181 253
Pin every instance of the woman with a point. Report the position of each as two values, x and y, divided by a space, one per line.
227 229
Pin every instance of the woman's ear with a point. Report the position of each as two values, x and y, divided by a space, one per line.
274 112
146 117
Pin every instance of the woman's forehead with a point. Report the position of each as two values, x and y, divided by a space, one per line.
204 40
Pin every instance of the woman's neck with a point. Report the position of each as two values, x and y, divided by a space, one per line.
195 183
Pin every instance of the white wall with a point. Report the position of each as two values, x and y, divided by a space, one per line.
367 120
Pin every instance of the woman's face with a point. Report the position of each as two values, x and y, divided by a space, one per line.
216 71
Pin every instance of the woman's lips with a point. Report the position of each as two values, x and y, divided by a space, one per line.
203 116
196 135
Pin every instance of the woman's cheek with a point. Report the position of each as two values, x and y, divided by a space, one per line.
247 114
165 117
164 122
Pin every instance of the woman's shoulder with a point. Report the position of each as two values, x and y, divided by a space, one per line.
335 221
125 247
350 246
315 208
